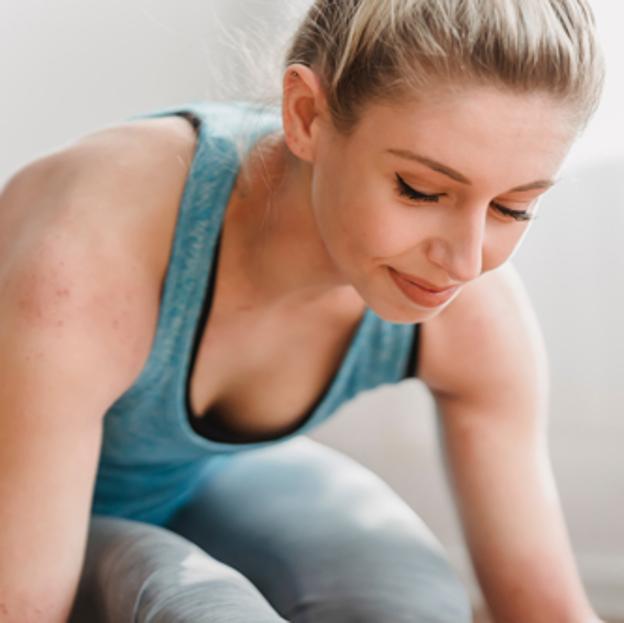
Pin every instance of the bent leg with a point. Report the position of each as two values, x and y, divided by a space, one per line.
323 538
139 573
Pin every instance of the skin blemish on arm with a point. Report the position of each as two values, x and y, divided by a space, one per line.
43 294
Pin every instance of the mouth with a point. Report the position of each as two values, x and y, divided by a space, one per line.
420 291
425 285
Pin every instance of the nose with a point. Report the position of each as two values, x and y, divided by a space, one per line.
459 247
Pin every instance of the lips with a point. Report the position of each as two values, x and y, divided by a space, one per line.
420 291
424 284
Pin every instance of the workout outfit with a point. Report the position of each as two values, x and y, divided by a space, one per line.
287 529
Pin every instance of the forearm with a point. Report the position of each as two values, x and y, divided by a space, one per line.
515 529
529 575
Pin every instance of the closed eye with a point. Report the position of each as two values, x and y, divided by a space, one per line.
517 215
405 190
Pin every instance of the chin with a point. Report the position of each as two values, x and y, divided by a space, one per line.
404 314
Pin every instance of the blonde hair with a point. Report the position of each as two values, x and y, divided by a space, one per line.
380 50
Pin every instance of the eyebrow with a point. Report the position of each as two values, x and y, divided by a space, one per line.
458 177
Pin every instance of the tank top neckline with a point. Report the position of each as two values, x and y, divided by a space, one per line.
203 425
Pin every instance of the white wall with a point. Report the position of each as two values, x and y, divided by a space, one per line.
74 65
71 66
604 138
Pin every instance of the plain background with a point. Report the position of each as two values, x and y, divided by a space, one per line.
73 66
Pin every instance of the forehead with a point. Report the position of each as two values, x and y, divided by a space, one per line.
472 130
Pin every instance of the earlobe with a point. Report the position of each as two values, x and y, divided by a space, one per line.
303 104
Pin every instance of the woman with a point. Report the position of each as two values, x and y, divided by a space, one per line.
181 292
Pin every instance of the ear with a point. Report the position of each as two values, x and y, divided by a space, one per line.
303 109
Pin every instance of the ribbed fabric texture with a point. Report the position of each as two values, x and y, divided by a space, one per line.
151 456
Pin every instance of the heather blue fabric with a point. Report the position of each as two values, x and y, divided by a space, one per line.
151 457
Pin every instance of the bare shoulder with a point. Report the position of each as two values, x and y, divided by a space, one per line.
131 164
486 343
84 240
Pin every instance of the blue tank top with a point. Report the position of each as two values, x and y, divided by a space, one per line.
152 455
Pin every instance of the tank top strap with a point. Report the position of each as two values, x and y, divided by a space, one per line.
225 132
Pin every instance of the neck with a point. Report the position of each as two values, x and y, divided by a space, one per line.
272 244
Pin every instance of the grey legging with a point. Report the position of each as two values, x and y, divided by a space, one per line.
294 532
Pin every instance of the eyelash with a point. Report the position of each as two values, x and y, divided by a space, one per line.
406 190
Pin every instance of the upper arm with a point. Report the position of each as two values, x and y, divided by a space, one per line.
485 363
68 349
484 355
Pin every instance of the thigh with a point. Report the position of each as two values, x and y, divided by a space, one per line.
323 538
139 573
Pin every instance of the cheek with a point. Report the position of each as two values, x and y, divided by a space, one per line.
355 213
361 224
